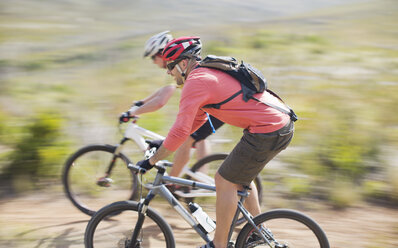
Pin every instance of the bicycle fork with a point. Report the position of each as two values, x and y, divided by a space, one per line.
106 181
142 208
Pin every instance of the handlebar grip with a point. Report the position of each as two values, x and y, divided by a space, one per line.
136 169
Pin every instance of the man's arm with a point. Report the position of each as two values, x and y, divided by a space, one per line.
155 101
160 154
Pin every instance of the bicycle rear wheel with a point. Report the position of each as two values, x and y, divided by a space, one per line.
84 171
113 225
287 227
208 167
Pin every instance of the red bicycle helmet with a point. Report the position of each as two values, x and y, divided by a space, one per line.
183 47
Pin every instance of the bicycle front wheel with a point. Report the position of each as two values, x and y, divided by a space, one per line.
85 183
113 225
285 227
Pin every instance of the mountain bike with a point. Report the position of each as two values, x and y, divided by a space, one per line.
135 224
96 175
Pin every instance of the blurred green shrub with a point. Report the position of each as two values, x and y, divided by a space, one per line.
373 189
297 186
343 193
342 151
383 189
37 154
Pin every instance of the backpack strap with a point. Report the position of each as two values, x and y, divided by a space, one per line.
218 105
291 113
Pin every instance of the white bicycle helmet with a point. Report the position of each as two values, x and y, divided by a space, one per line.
156 43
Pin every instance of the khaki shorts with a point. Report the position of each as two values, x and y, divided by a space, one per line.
253 152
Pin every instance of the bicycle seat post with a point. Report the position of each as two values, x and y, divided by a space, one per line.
244 193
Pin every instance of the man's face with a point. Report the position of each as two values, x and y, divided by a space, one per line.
157 60
174 72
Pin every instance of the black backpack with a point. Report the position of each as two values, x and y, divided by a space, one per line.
251 80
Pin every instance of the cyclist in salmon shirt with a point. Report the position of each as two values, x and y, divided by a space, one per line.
153 49
266 130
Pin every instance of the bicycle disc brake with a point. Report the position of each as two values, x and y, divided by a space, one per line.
128 242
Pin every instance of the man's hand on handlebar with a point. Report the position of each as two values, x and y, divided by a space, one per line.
145 165
125 117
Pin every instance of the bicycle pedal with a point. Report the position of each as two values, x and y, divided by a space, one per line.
104 182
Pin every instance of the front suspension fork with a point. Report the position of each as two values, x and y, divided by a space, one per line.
142 209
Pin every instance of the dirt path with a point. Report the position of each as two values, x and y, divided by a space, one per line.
49 220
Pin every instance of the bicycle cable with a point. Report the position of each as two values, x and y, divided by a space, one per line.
142 231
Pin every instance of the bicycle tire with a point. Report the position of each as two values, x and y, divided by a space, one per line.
285 224
101 232
79 178
217 158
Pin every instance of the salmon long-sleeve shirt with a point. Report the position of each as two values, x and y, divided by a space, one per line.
207 86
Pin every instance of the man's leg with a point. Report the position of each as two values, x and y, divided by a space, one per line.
202 149
251 203
226 203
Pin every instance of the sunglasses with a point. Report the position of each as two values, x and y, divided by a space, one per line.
153 57
170 66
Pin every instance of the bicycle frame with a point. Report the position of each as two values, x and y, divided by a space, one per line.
158 188
138 134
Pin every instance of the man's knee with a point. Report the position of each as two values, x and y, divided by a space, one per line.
221 182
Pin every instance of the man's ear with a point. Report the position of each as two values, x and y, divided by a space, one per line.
184 63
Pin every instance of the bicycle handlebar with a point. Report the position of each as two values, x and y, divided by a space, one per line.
125 116
159 165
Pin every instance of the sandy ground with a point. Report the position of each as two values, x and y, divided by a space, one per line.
49 220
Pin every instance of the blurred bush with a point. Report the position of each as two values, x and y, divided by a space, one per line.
342 154
36 155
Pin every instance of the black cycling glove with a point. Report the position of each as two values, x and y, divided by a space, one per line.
124 117
138 103
144 164
154 143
